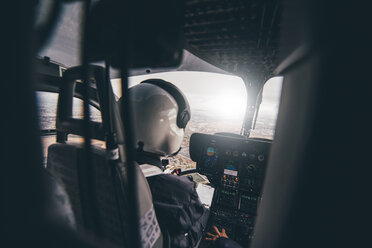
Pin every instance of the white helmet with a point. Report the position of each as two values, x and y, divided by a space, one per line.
160 114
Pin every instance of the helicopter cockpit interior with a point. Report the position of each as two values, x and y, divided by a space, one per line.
66 137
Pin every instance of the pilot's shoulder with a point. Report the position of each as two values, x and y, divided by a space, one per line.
176 186
177 180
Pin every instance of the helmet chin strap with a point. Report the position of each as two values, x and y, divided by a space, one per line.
175 153
164 162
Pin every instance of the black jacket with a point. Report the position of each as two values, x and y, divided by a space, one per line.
178 207
226 243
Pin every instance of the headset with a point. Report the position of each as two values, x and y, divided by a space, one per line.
184 113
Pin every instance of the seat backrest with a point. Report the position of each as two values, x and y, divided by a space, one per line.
108 219
64 161
98 190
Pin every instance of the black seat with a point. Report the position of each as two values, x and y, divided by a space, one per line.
97 191
64 161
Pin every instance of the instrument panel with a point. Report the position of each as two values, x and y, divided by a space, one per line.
235 166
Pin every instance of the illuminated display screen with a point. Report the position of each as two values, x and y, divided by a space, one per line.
210 151
230 172
230 167
210 158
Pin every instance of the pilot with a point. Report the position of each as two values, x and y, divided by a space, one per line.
160 115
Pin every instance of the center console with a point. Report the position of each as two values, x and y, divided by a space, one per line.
235 166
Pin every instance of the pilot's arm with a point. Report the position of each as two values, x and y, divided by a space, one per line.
221 239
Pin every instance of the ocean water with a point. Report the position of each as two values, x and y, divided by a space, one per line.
47 106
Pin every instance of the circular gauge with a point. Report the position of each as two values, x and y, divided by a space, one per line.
252 168
261 157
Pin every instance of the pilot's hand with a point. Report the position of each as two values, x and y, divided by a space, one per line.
214 237
176 172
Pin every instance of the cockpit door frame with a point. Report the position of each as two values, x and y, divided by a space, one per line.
254 99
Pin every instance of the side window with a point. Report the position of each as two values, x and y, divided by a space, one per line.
78 113
47 106
78 110
268 113
47 110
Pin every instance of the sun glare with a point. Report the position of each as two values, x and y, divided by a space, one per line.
228 107
217 96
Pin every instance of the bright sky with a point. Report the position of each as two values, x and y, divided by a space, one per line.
223 96
220 95
271 95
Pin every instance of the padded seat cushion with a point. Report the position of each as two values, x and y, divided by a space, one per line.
63 161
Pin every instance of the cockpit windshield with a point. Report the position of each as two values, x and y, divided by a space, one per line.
218 104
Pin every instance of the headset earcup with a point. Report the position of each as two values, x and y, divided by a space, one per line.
183 119
184 114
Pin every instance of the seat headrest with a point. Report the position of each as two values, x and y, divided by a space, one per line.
72 87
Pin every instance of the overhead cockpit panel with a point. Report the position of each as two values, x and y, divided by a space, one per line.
241 37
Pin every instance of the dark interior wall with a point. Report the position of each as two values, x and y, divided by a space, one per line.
284 173
318 183
21 185
23 192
